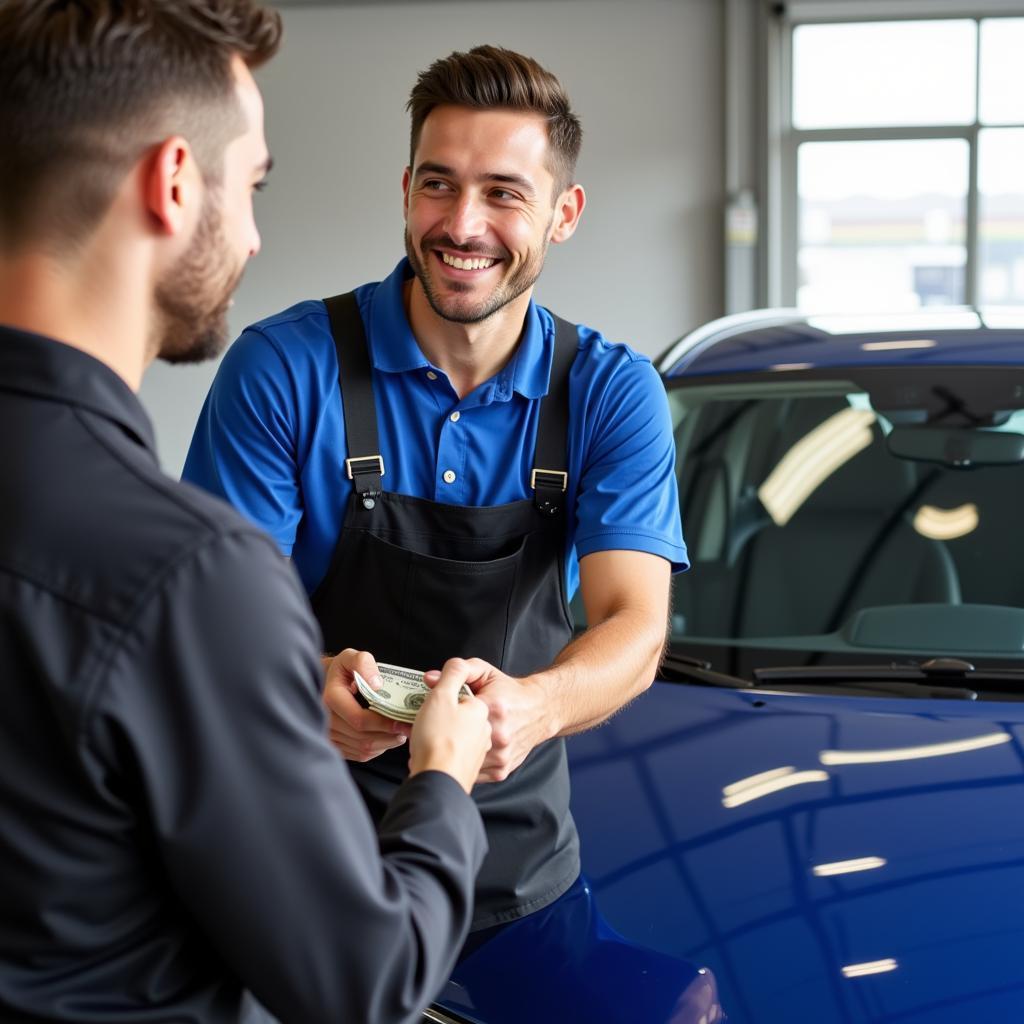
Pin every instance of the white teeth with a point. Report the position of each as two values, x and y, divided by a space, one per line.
476 263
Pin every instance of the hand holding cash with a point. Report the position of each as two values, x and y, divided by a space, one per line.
402 693
449 726
452 733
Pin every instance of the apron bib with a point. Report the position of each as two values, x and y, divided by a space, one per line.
416 582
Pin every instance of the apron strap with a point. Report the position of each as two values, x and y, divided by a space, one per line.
364 465
549 478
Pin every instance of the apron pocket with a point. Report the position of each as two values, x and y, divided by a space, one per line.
457 609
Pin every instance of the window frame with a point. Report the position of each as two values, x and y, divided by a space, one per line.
779 270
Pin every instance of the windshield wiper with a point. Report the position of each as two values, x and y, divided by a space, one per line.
936 678
680 668
931 678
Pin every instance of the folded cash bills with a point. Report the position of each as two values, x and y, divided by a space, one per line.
401 695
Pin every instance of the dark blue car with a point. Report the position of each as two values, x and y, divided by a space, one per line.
816 814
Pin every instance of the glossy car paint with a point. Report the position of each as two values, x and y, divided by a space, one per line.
567 963
786 858
783 341
704 813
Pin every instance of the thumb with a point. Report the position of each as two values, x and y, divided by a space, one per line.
453 675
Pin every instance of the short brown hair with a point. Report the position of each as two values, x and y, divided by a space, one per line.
491 77
86 86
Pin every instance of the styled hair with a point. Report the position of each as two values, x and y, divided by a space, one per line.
489 77
87 86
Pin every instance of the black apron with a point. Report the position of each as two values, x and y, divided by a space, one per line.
416 582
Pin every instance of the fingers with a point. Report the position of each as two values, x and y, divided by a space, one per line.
364 744
498 766
472 672
340 700
364 750
448 688
343 668
360 734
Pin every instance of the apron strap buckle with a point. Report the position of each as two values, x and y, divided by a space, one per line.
548 487
365 472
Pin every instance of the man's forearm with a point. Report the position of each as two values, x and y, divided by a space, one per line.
601 671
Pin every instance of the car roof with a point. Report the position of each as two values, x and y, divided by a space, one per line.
786 339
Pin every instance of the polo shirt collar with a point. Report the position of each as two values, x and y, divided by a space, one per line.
37 365
393 346
394 349
530 367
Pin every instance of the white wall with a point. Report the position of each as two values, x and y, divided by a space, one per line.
646 78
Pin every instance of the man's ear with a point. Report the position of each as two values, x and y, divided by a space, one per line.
568 210
406 181
171 185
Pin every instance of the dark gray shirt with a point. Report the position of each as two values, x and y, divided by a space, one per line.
174 827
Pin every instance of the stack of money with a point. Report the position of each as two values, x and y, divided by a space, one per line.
401 695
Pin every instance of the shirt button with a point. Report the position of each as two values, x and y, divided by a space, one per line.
455 417
449 477
431 375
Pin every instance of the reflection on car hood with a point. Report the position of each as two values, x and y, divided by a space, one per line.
565 963
828 858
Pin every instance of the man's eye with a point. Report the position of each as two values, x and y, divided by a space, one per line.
259 186
433 185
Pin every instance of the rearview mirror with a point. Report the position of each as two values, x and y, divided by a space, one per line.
956 447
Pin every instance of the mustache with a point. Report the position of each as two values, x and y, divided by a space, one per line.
445 242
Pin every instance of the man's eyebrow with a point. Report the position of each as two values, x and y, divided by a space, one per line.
524 184
264 168
431 168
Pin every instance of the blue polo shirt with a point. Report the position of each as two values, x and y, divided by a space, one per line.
271 436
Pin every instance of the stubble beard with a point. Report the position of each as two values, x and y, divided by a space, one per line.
192 301
458 311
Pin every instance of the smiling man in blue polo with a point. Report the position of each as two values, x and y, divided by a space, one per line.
446 461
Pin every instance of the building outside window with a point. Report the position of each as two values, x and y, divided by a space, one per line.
903 164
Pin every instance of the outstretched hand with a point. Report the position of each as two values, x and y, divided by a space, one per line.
357 733
516 711
449 734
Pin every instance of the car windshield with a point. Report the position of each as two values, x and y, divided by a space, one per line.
870 516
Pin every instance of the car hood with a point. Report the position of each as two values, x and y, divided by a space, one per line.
828 858
779 858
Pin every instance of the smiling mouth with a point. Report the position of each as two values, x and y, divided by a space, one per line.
467 262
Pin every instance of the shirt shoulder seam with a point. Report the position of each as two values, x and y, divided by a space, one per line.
316 309
159 484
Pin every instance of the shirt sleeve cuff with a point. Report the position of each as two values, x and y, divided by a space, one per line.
675 554
435 797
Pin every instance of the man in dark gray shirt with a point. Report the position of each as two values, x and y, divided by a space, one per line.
177 836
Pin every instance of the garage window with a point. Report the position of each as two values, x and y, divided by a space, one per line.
903 164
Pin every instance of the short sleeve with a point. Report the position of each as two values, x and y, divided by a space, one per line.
244 448
628 496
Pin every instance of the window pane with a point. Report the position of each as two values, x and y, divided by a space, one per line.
1002 71
881 224
884 73
1001 216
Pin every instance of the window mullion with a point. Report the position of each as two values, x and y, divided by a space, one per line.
971 227
887 134
973 261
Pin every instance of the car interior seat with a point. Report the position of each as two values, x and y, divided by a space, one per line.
849 545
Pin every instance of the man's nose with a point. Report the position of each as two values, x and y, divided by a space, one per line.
466 219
